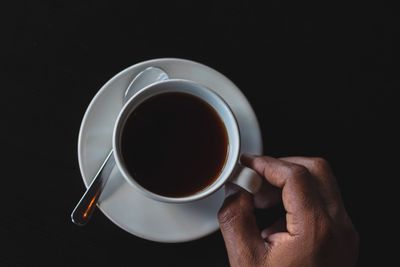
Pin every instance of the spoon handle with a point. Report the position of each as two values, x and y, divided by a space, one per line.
84 209
87 204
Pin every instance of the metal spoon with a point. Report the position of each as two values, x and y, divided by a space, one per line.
85 207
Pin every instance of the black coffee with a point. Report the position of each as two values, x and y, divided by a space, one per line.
174 144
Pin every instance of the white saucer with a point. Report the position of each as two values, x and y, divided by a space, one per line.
120 202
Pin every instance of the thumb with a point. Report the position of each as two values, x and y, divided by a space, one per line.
240 232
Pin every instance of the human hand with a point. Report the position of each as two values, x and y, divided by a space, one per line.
317 230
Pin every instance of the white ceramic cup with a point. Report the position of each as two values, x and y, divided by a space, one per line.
232 170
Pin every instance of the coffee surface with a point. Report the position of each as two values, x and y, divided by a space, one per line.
174 144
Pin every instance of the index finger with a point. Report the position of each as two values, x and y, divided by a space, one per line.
298 189
328 187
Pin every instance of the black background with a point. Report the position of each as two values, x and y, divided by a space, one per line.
321 79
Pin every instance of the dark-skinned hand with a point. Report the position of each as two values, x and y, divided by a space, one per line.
317 230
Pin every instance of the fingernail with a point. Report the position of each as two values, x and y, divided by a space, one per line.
246 157
264 234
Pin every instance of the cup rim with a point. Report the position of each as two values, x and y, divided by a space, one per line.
233 149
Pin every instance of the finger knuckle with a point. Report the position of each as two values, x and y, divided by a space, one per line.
324 228
298 171
233 207
226 215
323 231
320 164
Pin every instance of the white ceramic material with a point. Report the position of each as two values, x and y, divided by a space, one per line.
120 202
223 111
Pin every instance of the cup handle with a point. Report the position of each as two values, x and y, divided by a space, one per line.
246 178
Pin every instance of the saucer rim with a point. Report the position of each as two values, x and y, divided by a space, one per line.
140 65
